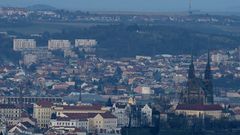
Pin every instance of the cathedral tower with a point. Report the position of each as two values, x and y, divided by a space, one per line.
208 82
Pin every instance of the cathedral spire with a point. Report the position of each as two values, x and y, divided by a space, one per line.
208 81
208 74
191 71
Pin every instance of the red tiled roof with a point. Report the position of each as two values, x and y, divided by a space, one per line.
121 105
107 115
9 106
45 104
199 107
81 116
84 116
84 107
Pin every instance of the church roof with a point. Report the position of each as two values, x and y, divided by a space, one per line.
199 107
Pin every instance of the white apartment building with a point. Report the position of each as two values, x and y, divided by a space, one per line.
69 121
85 42
23 44
99 123
29 59
58 44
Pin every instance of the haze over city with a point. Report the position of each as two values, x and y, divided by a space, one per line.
119 67
133 5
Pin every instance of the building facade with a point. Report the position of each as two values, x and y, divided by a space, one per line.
42 112
213 111
24 44
10 113
121 111
199 91
146 115
58 44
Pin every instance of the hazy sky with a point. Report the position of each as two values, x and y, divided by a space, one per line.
133 5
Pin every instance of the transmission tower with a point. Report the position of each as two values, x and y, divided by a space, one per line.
190 7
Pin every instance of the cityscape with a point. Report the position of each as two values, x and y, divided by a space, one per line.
65 72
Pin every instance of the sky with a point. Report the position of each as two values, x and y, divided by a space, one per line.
133 5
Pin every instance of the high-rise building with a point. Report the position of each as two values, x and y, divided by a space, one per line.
87 45
85 42
29 59
58 44
23 44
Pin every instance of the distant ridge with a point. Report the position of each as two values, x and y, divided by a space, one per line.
41 7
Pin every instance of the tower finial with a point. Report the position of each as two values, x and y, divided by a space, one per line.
209 56
191 71
208 74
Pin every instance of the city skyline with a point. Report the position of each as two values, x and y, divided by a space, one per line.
133 5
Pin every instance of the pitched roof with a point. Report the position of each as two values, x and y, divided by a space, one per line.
45 104
83 107
84 116
199 107
9 106
79 116
107 115
27 124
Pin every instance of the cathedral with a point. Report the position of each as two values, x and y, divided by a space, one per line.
199 91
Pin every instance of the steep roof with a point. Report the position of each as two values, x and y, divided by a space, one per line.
44 103
9 106
83 107
200 107
107 115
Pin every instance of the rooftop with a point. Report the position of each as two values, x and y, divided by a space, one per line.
199 107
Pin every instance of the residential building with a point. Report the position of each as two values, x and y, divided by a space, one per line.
58 44
104 123
23 44
85 42
100 123
22 128
42 112
67 109
29 59
10 113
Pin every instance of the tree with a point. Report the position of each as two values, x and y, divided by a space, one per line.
53 116
78 82
32 67
118 74
157 76
109 102
100 85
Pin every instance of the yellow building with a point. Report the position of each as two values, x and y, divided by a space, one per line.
104 123
42 112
